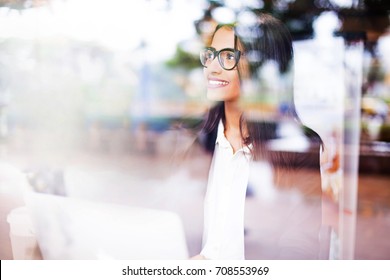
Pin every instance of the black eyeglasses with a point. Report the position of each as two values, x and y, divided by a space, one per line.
228 58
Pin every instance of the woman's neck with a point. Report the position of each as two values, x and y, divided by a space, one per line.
232 115
233 131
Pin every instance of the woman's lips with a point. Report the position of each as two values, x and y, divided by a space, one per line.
216 83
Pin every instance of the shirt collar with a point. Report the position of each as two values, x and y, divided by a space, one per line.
223 142
221 139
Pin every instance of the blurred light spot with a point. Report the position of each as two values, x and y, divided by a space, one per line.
223 15
247 18
343 3
326 24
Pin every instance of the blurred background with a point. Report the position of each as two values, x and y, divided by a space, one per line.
93 95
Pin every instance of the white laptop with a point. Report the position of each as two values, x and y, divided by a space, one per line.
71 228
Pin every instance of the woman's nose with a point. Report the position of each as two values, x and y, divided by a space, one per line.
214 66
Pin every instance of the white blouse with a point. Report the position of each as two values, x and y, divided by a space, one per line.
223 232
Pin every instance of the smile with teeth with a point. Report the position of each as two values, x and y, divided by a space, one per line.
218 83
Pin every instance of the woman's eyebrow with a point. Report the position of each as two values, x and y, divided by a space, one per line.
232 48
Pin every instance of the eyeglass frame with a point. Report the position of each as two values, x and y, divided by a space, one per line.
237 56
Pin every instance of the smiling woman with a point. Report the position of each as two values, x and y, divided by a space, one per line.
238 143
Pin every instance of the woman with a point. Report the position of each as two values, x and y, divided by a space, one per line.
236 54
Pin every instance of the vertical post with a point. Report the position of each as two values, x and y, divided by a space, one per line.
353 66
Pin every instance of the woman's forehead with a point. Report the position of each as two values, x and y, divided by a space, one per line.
223 38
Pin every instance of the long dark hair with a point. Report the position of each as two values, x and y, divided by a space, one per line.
267 39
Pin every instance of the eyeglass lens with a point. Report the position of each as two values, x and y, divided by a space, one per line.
227 58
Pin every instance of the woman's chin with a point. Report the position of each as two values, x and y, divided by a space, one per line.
216 95
219 95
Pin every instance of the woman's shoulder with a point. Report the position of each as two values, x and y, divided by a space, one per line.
206 130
